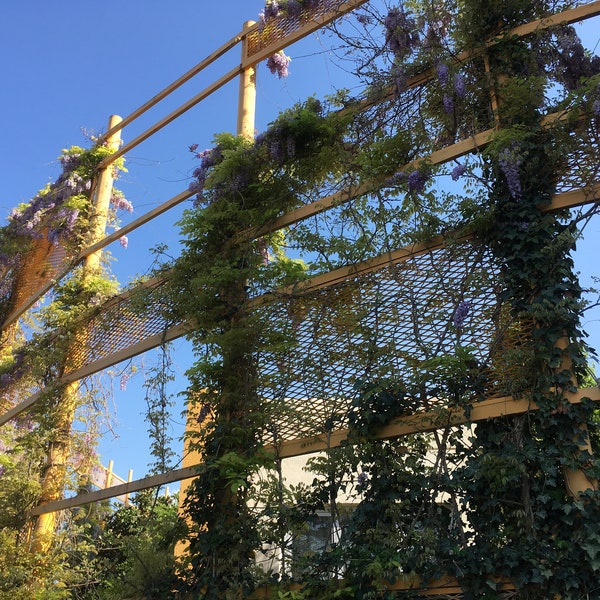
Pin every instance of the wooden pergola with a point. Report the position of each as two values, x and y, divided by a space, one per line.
113 333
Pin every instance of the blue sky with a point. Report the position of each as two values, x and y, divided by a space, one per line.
68 65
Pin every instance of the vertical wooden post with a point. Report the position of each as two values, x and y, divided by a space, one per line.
191 457
129 479
55 473
101 206
109 474
576 481
247 95
245 128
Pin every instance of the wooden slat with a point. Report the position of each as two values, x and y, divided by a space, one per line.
423 422
213 87
117 490
423 588
426 422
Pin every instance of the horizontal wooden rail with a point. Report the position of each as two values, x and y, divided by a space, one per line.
426 422
416 423
122 489
212 57
422 588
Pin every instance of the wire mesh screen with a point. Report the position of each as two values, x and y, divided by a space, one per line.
378 327
127 320
276 29
37 268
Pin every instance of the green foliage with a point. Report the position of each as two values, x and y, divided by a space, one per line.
136 549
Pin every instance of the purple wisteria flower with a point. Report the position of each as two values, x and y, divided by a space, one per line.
119 202
457 172
124 380
203 413
270 11
461 313
278 64
401 35
290 144
396 179
510 160
417 181
208 158
448 104
294 8
124 241
442 73
362 478
460 85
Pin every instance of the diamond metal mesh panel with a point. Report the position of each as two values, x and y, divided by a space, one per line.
277 29
375 328
37 268
127 320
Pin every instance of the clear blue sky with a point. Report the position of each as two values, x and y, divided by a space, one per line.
68 65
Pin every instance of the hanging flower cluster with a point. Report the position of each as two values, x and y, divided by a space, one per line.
457 172
461 313
573 63
278 64
458 89
510 160
401 35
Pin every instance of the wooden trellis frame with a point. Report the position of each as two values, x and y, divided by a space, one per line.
567 199
489 408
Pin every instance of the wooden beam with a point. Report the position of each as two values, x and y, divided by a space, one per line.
424 588
117 490
422 422
425 422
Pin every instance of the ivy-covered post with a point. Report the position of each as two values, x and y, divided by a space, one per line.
67 400
576 481
533 526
